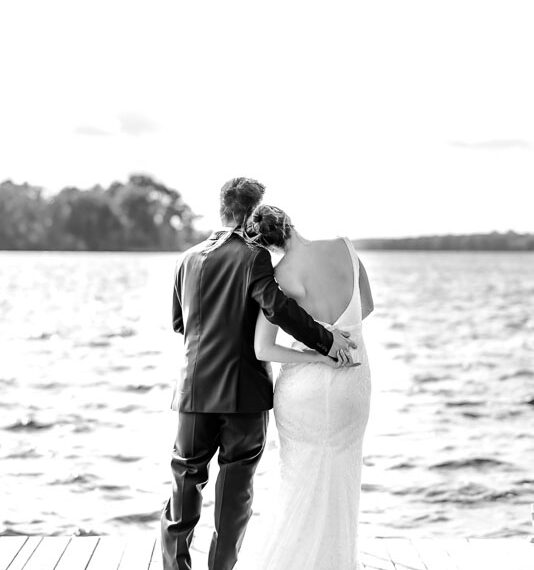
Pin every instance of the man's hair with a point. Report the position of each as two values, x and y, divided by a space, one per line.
239 197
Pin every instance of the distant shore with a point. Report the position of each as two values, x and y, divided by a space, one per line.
495 241
144 215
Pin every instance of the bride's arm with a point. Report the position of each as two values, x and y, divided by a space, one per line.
266 348
366 296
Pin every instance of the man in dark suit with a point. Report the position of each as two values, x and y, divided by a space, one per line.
224 393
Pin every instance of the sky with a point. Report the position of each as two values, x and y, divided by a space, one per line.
379 118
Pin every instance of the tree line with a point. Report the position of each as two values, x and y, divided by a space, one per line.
141 214
494 241
145 215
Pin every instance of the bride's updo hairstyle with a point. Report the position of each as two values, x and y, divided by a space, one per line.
269 226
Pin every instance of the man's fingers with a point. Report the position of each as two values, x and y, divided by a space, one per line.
349 341
347 335
347 346
351 344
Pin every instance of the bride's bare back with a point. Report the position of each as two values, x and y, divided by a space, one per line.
319 275
321 415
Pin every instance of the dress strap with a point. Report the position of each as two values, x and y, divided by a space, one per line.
352 251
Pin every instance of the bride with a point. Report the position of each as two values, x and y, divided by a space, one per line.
321 406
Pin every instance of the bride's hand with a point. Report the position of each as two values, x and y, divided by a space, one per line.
331 362
341 362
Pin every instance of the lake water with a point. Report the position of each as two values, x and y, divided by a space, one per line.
88 360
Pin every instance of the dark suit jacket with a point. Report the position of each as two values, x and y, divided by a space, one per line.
219 288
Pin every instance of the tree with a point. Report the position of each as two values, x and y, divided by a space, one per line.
24 216
85 220
155 216
141 214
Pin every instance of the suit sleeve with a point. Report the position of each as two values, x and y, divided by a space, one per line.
177 317
282 310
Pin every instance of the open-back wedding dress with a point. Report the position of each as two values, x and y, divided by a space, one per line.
321 414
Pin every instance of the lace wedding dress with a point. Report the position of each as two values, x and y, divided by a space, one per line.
321 414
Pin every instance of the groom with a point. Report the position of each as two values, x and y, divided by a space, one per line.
224 392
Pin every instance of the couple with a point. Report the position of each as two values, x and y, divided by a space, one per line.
228 302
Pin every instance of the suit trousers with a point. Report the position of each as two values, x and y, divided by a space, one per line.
240 439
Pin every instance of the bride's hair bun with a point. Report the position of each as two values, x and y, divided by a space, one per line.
269 226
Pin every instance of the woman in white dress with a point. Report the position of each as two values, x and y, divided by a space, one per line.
321 407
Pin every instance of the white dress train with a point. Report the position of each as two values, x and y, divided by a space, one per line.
321 414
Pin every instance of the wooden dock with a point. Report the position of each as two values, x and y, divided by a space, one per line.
142 552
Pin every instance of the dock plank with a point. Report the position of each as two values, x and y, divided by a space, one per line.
433 554
374 555
47 554
523 552
25 552
143 552
490 553
460 551
108 553
78 553
403 554
156 560
138 553
9 548
497 553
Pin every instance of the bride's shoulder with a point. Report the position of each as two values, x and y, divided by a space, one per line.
348 242
332 241
284 270
338 244
289 280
